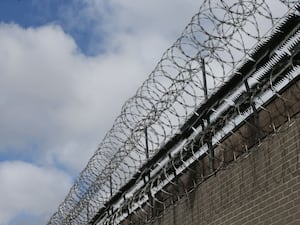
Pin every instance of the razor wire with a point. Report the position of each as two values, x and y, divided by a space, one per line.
217 42
278 111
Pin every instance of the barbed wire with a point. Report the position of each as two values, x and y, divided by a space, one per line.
220 40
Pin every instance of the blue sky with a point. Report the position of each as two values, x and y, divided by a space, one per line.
30 13
66 68
33 13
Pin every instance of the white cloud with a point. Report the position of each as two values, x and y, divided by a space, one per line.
54 97
31 189
57 103
115 24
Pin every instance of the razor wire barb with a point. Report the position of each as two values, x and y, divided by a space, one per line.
217 42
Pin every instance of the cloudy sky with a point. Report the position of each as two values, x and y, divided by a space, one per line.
66 67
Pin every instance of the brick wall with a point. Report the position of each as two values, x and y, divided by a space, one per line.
258 186
261 187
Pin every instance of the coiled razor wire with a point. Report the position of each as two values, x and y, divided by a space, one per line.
217 42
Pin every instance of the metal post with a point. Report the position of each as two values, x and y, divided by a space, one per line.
255 112
110 185
204 79
147 144
87 212
151 200
211 151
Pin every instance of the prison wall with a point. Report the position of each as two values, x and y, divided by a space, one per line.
260 187
257 185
